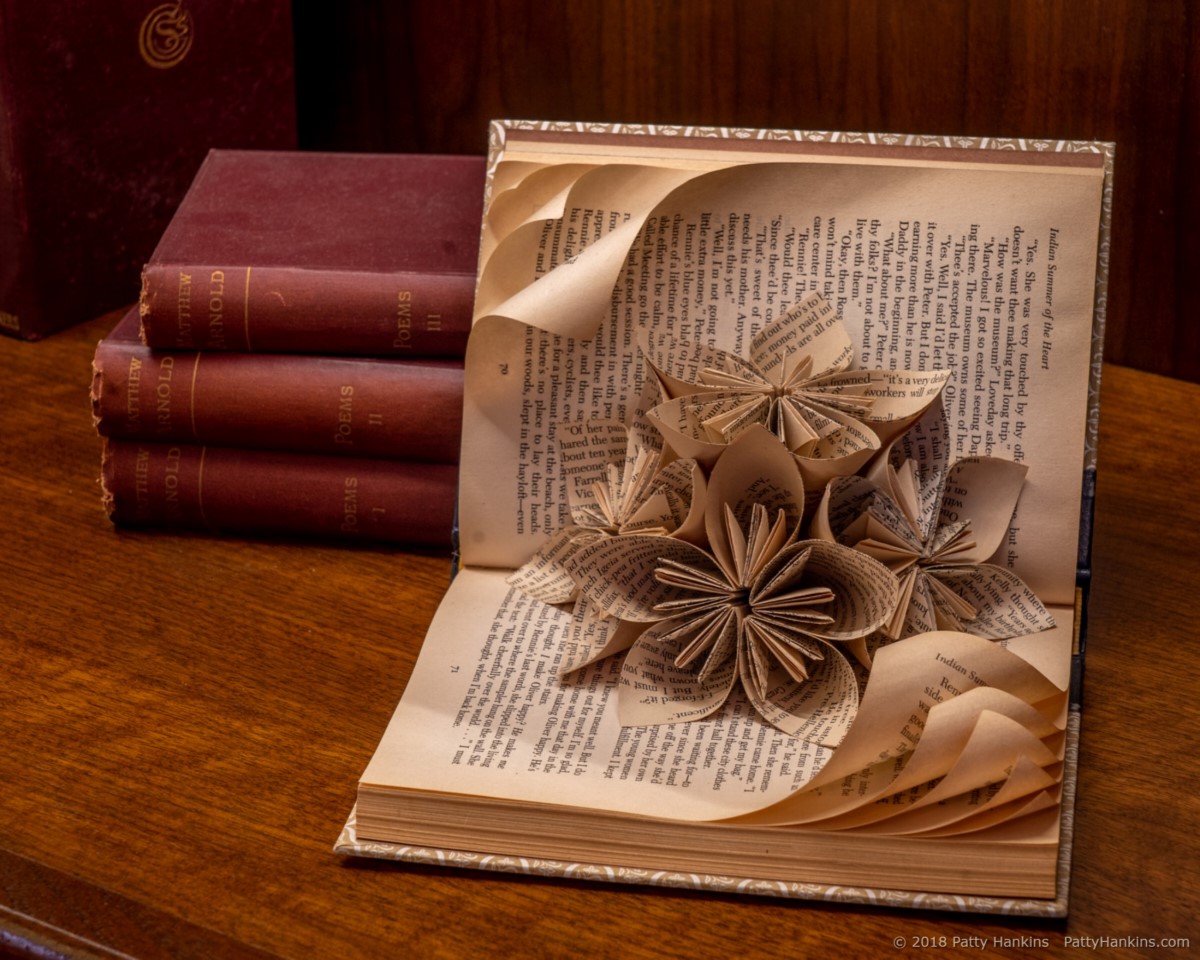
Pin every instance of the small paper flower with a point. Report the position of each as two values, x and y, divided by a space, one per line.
933 526
615 484
758 606
797 383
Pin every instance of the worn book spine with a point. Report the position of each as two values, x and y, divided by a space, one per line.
290 309
398 409
227 491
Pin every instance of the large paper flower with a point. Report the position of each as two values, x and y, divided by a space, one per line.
757 607
615 484
797 383
934 526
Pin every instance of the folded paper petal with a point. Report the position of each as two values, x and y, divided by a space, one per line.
617 573
680 367
653 690
614 485
594 637
936 540
797 383
757 606
545 575
1005 606
812 329
864 592
819 710
985 490
898 397
756 471
914 470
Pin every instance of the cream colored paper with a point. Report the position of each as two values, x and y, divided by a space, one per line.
797 383
982 269
933 524
615 483
485 714
757 609
491 719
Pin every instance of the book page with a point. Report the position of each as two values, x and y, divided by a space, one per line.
485 714
612 283
982 270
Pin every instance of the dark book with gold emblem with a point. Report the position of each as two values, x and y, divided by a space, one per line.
106 112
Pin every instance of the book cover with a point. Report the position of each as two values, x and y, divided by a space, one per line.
332 253
392 408
106 112
784 592
227 491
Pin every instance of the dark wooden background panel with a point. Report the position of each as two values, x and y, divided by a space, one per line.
427 75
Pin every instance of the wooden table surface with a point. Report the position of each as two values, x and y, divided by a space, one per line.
183 720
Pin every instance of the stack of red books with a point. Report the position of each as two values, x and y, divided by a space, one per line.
295 363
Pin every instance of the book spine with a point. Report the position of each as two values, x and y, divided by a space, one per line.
227 491
15 299
295 310
397 409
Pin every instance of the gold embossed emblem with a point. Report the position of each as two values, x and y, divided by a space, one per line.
165 36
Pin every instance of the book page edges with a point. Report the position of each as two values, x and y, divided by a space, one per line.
1054 904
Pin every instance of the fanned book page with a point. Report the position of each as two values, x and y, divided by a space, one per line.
769 516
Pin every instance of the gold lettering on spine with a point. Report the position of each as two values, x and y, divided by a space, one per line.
141 483
133 413
171 481
216 310
183 312
192 396
9 321
350 505
162 395
200 490
246 311
403 338
345 417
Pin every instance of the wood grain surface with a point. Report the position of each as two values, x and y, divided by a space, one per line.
427 75
183 720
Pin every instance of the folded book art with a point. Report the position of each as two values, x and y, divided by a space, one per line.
772 522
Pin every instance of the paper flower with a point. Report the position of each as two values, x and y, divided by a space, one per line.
797 383
615 484
757 607
934 526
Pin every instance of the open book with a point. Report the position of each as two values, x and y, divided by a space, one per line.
744 602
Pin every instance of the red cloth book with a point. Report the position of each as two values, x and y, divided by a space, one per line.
329 253
348 406
256 492
106 112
